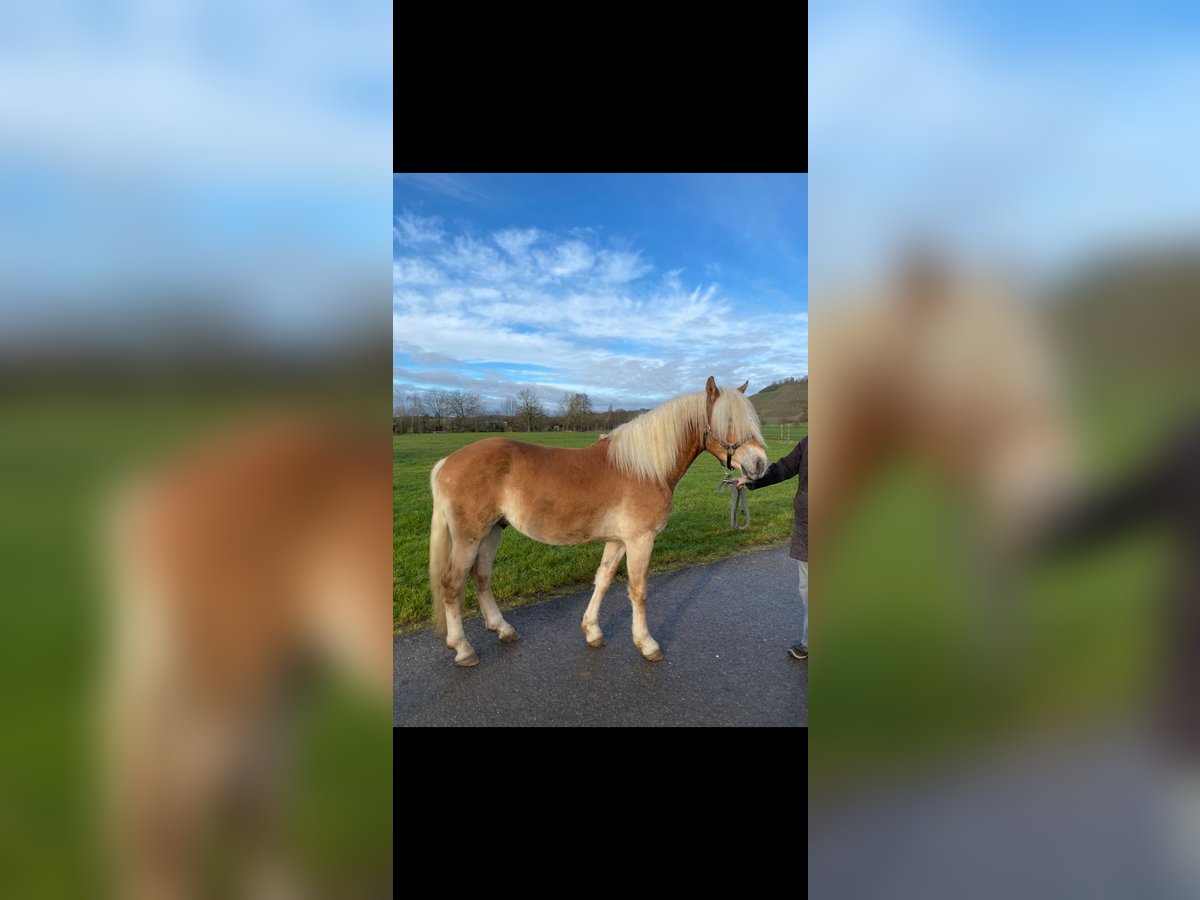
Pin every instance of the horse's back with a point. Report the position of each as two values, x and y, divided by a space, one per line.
497 458
554 495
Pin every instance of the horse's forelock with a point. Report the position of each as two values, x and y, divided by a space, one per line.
734 417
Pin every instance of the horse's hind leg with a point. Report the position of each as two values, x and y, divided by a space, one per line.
613 551
481 572
462 557
638 565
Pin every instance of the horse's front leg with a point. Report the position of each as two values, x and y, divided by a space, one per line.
638 564
613 551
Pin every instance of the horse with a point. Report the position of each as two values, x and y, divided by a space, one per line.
233 565
618 490
957 371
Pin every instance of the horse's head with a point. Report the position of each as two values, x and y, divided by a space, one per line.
731 431
986 399
961 371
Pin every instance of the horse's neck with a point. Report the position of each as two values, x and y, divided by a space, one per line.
689 450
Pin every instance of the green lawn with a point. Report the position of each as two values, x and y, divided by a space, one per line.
59 458
698 531
900 650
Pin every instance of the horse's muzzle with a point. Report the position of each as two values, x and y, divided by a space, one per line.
754 468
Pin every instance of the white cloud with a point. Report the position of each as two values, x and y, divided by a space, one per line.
463 188
517 241
469 257
568 259
580 314
412 230
619 267
992 149
415 271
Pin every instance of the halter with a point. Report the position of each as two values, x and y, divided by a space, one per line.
730 449
737 496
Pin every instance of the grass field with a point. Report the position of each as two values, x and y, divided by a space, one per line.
899 653
59 458
697 532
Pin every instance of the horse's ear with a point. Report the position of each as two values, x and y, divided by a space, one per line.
742 389
710 388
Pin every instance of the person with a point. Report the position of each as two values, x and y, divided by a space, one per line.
794 465
1162 490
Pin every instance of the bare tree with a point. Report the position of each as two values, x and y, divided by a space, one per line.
465 407
415 411
564 410
576 411
582 405
438 404
474 409
529 407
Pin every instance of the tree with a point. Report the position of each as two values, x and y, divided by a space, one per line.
438 404
582 409
529 407
415 411
564 410
465 406
474 408
576 410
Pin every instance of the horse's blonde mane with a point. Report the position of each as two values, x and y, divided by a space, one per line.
648 447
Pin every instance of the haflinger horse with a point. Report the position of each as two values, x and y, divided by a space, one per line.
958 371
619 490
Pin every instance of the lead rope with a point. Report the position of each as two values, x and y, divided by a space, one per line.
737 497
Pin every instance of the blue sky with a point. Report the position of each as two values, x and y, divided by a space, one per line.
631 288
1036 137
236 170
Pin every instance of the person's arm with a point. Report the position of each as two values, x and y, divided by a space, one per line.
1111 512
780 470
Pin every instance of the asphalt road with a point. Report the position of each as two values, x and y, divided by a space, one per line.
1088 814
724 629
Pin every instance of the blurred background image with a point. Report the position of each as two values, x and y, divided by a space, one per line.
194 228
1005 331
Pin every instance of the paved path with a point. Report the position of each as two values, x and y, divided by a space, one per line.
724 629
1080 815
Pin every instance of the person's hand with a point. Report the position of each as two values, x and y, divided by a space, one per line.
740 483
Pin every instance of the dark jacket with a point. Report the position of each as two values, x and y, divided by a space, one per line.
795 464
1164 490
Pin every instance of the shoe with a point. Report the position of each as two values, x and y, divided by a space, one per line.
798 652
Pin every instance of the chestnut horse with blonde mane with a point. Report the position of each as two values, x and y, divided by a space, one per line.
618 490
957 370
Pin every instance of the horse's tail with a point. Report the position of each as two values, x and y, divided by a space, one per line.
440 544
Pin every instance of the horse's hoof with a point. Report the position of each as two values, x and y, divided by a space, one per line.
597 642
655 655
508 634
469 660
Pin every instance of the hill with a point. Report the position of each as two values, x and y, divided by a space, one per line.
1135 313
782 402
